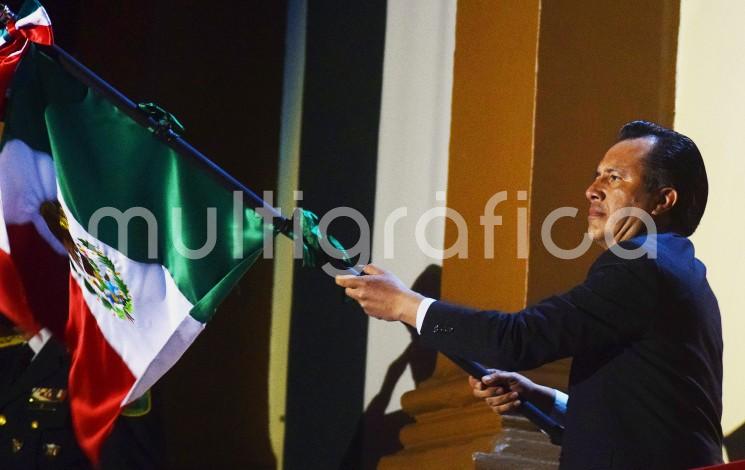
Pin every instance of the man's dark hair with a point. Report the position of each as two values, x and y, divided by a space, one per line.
673 161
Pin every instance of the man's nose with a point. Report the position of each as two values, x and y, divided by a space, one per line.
594 192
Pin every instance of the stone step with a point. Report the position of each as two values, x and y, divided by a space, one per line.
520 446
485 461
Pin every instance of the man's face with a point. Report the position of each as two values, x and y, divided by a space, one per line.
619 183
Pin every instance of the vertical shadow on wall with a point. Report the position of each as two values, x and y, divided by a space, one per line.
735 444
377 432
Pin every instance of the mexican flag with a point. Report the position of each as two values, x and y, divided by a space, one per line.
109 238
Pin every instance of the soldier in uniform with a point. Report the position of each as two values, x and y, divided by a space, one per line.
35 425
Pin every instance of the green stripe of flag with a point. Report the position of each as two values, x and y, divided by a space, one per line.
105 159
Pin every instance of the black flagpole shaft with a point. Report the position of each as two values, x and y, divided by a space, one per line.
130 108
181 146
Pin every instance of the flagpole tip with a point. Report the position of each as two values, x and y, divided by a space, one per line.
6 14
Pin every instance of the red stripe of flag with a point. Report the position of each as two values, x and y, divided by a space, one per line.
13 303
10 55
99 378
43 273
40 34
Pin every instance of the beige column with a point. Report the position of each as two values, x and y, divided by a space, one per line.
710 108
539 91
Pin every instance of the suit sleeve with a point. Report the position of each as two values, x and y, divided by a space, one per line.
612 307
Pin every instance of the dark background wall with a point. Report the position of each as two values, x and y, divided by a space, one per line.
338 160
218 67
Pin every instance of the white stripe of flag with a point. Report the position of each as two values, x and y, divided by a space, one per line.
38 17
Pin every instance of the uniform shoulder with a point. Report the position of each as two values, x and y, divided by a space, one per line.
11 340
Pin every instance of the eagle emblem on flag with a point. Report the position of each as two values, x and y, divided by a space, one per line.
102 279
90 263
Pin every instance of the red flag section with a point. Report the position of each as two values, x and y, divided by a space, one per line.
98 375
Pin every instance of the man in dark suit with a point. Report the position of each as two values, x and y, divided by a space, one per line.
644 330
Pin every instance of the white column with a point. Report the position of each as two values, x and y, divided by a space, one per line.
412 159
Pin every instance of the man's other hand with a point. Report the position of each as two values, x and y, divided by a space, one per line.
500 390
382 295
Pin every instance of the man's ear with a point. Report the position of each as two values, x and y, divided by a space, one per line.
666 199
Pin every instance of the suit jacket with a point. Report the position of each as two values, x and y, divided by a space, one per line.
646 380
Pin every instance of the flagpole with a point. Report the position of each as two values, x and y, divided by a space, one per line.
129 107
547 424
166 133
282 223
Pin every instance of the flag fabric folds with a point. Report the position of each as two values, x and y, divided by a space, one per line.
26 228
32 25
109 238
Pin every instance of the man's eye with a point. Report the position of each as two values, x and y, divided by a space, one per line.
614 178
